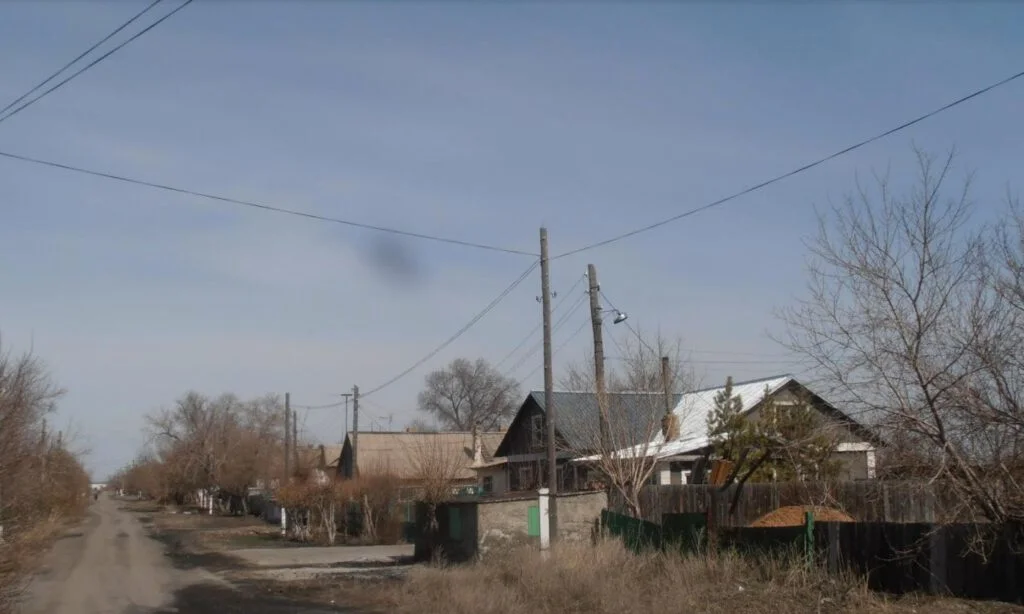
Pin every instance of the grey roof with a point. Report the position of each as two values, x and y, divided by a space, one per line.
633 416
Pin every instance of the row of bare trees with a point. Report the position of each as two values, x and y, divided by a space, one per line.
42 483
223 444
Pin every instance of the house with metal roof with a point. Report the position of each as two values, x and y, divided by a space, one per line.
635 425
520 460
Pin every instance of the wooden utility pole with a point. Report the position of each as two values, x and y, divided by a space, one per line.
287 435
549 386
295 440
347 395
665 384
355 430
595 323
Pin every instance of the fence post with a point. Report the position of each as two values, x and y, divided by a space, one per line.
937 560
712 526
809 538
833 547
545 530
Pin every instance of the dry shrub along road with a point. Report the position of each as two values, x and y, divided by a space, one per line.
110 565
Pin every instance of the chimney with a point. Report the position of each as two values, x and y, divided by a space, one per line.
670 427
669 422
478 446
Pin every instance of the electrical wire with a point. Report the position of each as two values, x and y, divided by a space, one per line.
263 206
533 332
80 56
138 34
327 406
796 171
458 333
635 332
554 328
766 360
556 350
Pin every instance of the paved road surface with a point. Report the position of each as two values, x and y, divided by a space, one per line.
110 565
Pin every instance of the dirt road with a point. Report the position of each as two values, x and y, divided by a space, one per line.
109 565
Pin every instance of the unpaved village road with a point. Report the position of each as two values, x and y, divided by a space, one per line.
109 565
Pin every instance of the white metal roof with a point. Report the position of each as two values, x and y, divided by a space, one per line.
692 412
693 408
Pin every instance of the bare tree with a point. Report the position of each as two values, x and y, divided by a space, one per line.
917 327
419 425
434 466
637 412
224 443
42 481
466 393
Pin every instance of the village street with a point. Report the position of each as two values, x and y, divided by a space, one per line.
110 565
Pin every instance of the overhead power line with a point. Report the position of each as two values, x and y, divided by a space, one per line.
568 339
796 171
536 328
554 328
106 55
262 206
761 357
79 57
327 406
490 306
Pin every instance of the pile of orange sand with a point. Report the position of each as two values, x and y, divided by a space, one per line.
793 516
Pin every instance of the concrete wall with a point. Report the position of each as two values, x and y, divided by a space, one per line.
503 524
488 527
579 515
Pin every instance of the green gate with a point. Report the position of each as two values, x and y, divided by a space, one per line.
533 521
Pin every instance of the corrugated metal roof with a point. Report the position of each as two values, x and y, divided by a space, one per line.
397 452
633 417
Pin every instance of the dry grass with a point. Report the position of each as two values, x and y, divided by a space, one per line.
20 557
608 579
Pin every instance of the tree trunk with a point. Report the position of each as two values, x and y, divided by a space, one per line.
329 526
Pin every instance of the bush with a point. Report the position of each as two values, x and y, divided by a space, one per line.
42 484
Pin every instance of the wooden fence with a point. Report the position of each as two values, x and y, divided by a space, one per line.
938 559
864 501
893 557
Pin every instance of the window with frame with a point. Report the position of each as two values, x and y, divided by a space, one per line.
488 484
537 431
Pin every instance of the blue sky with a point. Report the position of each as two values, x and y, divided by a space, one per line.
476 121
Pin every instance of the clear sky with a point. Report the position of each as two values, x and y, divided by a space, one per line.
480 121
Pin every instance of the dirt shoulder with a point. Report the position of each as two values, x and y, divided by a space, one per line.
269 572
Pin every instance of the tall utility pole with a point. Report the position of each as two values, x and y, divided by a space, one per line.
549 385
345 434
595 323
287 435
355 430
295 440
